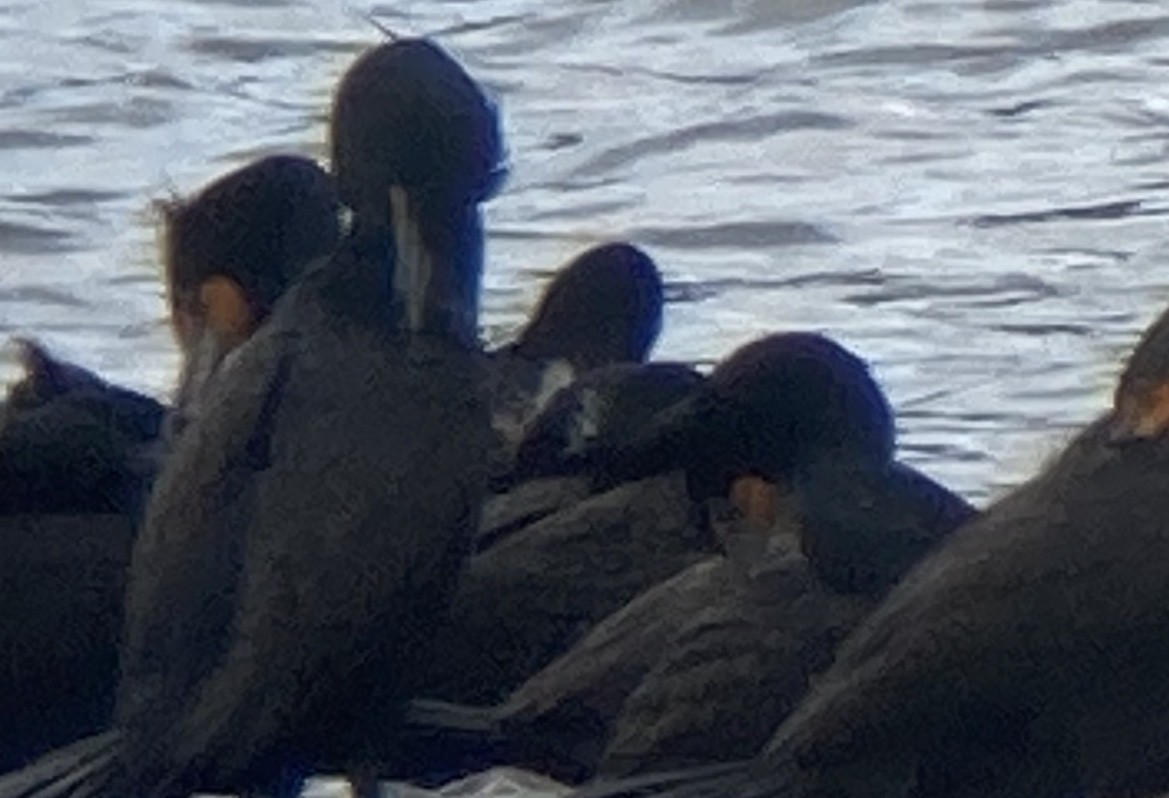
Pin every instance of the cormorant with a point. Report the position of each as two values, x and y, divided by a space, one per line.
312 517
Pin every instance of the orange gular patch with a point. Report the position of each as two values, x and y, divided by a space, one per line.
757 500
1141 412
227 310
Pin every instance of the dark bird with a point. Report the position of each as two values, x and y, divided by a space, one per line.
70 442
602 308
1025 656
600 409
797 415
531 596
233 249
702 667
310 522
78 455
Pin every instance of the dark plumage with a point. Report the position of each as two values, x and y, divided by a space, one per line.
765 409
529 597
702 667
603 308
258 225
70 442
599 410
231 251
1025 656
309 524
62 580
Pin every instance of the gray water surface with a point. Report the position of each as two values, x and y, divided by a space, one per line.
971 193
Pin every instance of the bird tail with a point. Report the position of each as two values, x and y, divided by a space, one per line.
79 770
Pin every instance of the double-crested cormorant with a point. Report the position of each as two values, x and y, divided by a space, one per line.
603 308
537 591
78 455
1025 656
233 249
803 415
733 640
311 518
70 442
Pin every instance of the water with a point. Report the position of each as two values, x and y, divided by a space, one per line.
971 193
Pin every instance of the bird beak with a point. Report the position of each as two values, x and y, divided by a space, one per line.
1141 413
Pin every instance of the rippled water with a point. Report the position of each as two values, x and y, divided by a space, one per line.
969 192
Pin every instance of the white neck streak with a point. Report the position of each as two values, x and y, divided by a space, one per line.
414 265
437 289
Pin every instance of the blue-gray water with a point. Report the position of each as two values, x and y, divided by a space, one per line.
969 192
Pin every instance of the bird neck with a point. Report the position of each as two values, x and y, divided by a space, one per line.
438 265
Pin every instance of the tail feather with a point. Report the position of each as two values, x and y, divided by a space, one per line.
77 770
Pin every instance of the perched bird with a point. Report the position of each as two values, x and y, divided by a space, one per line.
1025 656
78 455
702 667
310 522
603 308
70 442
231 250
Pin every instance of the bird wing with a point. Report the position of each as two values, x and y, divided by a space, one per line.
371 492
